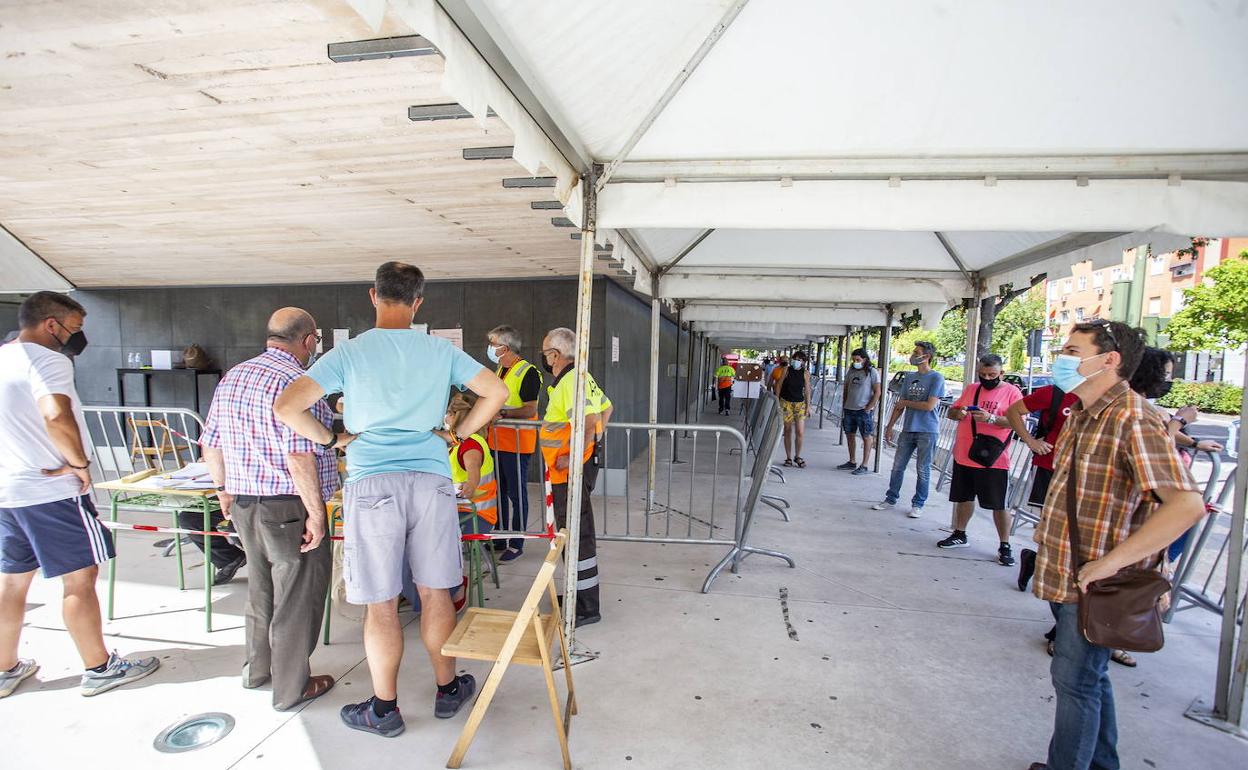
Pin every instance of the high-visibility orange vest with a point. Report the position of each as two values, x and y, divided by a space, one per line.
556 434
520 441
485 497
725 375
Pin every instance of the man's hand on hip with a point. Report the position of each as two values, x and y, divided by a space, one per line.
226 501
83 474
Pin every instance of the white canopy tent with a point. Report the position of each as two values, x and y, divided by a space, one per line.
781 168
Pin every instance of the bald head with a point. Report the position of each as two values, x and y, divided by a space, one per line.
294 330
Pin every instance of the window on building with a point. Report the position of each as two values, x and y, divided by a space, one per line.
1098 280
1176 300
1083 282
1079 314
1066 289
1065 317
1053 290
1154 306
1156 265
1116 275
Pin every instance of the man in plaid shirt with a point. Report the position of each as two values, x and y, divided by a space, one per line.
273 483
1135 497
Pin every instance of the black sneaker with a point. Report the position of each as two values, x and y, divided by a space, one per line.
360 716
227 573
847 466
1005 555
956 540
1026 568
447 706
588 620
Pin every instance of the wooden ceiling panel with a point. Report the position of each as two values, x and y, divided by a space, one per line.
184 143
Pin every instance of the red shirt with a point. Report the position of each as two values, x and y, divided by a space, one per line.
1039 401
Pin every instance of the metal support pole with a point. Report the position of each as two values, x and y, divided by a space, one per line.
676 385
885 335
842 355
823 379
695 384
972 334
689 376
584 303
1227 713
653 413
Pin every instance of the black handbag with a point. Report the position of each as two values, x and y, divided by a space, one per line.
984 450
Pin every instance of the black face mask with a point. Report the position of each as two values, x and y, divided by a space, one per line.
74 344
988 384
549 369
1161 390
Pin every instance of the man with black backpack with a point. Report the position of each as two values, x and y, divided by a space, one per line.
1054 407
981 458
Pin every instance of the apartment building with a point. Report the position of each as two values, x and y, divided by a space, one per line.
1086 294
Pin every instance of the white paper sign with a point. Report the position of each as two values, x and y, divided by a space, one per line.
455 336
615 350
320 344
341 336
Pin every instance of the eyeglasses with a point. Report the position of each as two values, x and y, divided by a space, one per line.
1101 323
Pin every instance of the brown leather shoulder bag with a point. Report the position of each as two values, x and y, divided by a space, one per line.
1121 611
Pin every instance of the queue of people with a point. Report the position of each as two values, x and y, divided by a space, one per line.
417 454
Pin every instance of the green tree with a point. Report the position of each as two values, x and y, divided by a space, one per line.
1016 355
951 334
903 343
1215 313
1019 317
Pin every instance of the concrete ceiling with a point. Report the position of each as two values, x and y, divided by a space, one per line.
184 143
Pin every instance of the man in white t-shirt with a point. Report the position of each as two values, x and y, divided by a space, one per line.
47 519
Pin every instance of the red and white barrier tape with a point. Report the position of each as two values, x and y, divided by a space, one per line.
117 525
550 506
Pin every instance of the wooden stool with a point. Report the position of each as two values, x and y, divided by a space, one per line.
523 637
162 440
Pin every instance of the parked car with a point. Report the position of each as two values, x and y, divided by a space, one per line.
1038 380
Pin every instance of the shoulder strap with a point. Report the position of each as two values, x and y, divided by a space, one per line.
1055 405
971 417
1072 497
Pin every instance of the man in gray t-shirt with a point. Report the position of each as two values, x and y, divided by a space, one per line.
862 393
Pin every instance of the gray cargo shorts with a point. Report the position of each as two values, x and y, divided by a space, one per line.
391 518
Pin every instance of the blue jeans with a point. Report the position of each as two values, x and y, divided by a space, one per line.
513 497
1085 732
908 443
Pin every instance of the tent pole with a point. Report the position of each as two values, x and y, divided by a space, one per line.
584 304
653 415
842 352
972 334
885 333
823 380
1228 702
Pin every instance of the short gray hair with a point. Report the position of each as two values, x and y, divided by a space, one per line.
563 339
508 336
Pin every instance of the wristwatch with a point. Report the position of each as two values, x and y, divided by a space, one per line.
1179 420
328 445
221 488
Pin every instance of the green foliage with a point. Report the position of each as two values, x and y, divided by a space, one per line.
903 344
1022 315
951 334
1215 397
1016 358
952 372
1215 315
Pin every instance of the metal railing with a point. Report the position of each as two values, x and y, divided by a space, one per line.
1200 575
128 439
697 496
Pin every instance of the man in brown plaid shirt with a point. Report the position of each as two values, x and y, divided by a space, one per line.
1135 497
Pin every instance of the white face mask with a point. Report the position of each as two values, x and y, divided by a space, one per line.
857 364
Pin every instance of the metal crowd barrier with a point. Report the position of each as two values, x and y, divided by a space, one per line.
128 439
1200 575
697 497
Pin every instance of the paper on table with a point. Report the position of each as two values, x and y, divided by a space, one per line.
190 471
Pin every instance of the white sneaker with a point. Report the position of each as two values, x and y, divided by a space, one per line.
882 505
915 512
9 680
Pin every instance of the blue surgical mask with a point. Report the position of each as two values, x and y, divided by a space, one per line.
796 365
311 360
1066 371
491 354
857 364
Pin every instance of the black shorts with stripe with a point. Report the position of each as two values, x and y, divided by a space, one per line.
59 537
986 484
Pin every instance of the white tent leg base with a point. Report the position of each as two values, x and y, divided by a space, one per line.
577 654
1201 711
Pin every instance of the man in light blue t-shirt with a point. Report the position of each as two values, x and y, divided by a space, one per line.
920 394
399 503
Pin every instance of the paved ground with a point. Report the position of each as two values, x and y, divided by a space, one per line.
894 655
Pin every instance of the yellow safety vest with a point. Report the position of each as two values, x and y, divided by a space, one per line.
485 497
521 441
725 374
556 435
